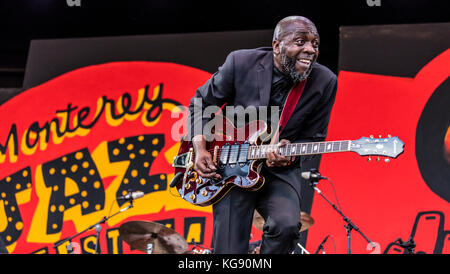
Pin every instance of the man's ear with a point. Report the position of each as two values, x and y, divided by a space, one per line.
276 47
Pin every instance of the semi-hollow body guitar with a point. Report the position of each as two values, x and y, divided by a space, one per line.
239 155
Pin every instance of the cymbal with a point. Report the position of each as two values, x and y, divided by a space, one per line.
306 220
138 234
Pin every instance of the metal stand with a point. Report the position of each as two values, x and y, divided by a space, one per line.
304 251
349 224
97 227
206 250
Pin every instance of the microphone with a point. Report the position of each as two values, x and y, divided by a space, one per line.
176 179
321 244
133 195
312 175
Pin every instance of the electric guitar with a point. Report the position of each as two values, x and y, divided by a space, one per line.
240 154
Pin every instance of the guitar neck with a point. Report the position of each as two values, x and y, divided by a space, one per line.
299 149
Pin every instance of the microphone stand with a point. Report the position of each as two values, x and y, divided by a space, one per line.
349 224
97 227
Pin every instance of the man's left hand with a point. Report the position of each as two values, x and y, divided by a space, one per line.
274 159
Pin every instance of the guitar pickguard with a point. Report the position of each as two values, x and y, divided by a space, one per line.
228 171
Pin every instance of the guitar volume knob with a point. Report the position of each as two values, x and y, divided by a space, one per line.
193 176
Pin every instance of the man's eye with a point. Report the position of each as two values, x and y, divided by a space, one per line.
300 42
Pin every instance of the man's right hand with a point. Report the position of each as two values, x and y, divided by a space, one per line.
204 165
203 162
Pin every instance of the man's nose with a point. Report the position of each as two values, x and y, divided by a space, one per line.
308 48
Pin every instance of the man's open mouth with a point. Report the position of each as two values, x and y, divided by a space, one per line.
305 61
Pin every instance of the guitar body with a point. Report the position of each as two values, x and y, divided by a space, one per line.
236 170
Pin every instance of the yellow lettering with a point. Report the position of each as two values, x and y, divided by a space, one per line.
88 242
62 249
38 227
3 217
24 147
194 233
114 236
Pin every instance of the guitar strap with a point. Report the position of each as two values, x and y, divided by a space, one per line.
288 108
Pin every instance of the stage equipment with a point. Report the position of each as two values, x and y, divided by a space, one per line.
97 226
314 180
152 238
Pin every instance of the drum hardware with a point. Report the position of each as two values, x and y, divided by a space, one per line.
199 249
149 248
253 247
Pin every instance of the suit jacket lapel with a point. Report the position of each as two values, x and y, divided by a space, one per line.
264 78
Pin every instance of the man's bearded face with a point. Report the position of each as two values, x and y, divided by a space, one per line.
288 65
299 49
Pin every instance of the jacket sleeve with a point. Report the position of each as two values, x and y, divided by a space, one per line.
216 92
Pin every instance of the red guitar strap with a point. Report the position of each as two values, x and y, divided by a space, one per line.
289 106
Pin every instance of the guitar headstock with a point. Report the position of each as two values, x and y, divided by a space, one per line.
390 147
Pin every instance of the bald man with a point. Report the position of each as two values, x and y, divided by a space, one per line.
256 78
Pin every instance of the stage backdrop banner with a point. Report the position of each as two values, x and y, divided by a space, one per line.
105 118
74 144
407 197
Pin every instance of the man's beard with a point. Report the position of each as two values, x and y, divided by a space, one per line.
288 66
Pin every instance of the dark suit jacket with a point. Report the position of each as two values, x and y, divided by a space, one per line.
245 79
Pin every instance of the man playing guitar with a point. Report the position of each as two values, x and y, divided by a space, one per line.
265 77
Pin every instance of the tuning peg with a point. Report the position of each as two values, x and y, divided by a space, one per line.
389 135
379 136
387 160
369 159
371 136
378 158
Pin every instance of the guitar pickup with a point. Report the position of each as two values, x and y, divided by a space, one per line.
243 152
233 154
223 158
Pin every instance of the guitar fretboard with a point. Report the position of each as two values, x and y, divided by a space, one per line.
298 149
